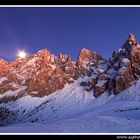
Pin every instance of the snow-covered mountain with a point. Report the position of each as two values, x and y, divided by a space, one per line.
46 93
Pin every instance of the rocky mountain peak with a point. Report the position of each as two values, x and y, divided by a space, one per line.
132 36
3 62
125 62
3 67
43 73
87 55
43 53
123 68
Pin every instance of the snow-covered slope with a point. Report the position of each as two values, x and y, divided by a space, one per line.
46 93
70 100
76 110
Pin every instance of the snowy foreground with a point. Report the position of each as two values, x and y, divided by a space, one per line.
73 110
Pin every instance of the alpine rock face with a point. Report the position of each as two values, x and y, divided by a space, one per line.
120 71
43 74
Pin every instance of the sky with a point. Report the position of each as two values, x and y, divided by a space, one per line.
66 29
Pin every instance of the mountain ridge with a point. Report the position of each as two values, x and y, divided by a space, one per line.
43 73
45 89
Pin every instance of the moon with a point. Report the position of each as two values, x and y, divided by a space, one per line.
22 54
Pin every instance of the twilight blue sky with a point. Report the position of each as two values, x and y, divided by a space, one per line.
66 30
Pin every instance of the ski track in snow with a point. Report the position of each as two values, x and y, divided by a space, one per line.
73 110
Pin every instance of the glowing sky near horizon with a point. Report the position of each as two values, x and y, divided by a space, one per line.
66 30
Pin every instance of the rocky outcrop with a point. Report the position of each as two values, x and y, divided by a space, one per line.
122 69
3 67
86 55
86 61
44 73
6 116
126 63
132 37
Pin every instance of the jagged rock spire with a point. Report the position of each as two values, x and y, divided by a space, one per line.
132 37
44 73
